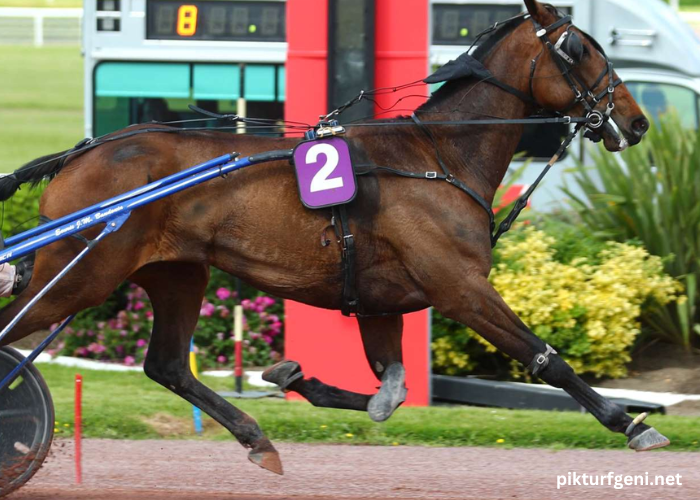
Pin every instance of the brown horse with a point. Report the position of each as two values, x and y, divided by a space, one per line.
420 243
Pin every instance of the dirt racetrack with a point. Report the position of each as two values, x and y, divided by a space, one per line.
189 470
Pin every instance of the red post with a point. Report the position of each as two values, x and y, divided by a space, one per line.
78 428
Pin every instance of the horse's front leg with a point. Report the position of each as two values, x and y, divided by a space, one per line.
480 307
381 337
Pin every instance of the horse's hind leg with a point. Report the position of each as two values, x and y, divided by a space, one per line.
381 337
176 291
480 307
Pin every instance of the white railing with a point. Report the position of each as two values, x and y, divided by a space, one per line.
40 26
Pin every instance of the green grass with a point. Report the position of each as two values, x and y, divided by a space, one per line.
41 102
126 405
42 3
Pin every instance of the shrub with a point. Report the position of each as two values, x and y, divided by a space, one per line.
587 309
652 195
124 337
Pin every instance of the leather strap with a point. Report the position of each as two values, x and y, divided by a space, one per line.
350 301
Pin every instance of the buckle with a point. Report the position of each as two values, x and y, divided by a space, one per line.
541 32
567 120
431 175
541 359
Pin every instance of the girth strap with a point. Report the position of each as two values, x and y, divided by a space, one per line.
351 301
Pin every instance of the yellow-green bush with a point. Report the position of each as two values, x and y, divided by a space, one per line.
588 309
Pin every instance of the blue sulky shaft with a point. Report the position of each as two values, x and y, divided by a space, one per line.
84 219
130 194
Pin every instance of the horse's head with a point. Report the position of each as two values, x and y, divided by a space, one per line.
570 73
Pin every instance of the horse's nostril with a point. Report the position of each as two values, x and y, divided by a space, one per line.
640 126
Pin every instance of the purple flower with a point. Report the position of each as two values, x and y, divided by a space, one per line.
141 343
223 293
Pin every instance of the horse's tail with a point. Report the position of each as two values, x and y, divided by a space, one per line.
33 172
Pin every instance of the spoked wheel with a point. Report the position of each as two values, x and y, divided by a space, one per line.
26 423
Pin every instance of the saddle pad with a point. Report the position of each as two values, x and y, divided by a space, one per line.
324 172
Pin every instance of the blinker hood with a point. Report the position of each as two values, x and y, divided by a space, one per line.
464 66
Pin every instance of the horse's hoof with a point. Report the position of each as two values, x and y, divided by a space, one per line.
391 394
265 455
283 373
269 460
650 439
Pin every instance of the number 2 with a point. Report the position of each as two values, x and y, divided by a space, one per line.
321 182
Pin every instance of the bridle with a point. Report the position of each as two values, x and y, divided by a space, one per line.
566 62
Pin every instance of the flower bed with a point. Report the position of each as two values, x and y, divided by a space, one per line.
124 337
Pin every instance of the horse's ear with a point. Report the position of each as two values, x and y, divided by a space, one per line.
537 11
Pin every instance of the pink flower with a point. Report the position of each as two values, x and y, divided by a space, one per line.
223 293
207 310
96 348
247 304
129 361
141 343
101 325
224 311
149 315
221 359
139 305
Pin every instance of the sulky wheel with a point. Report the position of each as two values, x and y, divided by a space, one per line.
26 423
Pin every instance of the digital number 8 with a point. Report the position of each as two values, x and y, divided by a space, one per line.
187 20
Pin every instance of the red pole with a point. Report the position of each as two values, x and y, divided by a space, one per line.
78 428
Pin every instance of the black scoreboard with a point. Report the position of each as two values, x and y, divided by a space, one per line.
458 24
214 20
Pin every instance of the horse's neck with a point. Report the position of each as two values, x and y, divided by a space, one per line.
479 153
